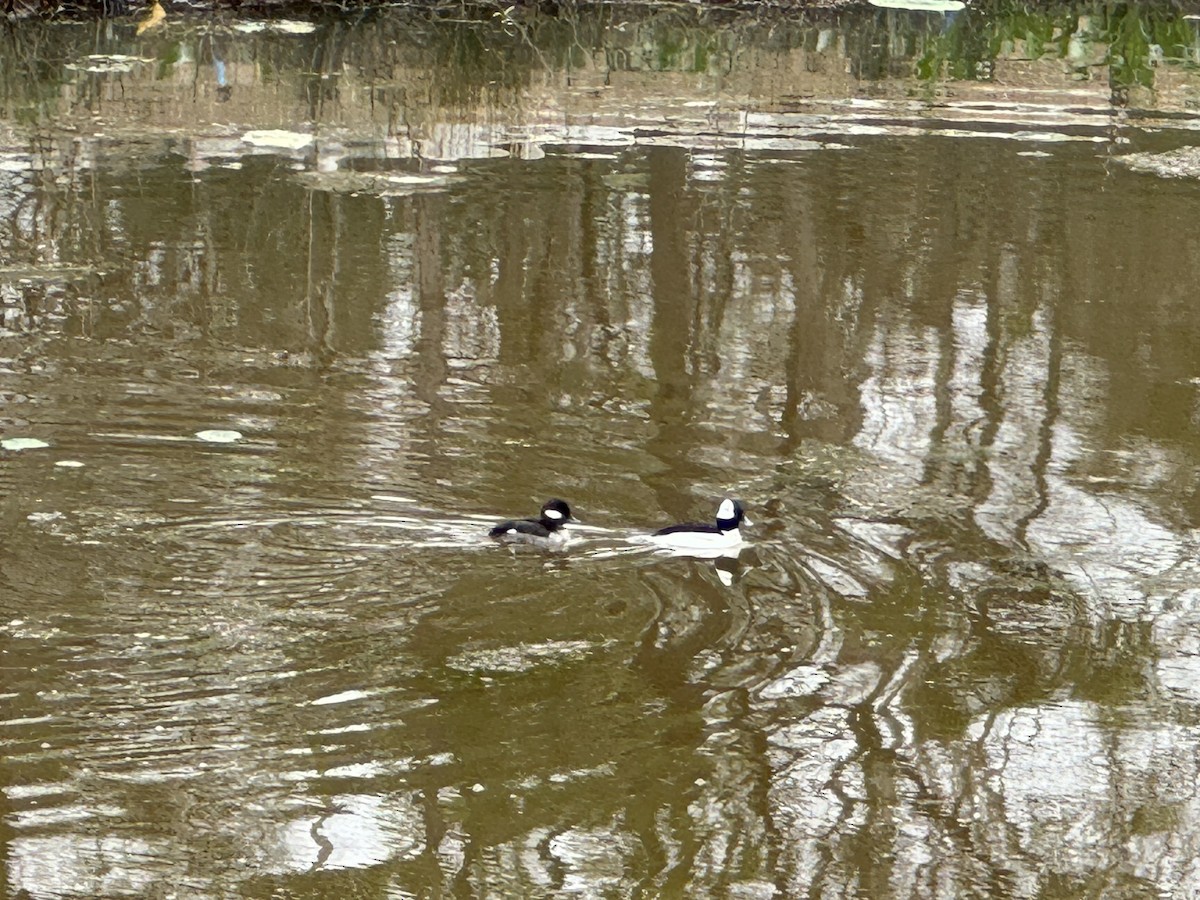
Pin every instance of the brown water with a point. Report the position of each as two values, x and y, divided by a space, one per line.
940 342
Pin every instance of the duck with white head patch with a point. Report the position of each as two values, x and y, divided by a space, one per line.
547 530
700 537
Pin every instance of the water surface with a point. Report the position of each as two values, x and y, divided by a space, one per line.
939 340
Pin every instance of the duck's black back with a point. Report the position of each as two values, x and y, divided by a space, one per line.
699 527
531 527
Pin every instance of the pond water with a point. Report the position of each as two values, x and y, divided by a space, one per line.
299 309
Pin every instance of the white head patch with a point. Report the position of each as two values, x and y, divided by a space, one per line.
725 510
552 514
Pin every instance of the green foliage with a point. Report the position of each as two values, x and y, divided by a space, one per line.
1130 40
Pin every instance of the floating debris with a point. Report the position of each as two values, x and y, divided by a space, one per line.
342 697
22 443
1181 163
108 62
69 464
921 5
376 183
219 436
279 139
282 26
155 16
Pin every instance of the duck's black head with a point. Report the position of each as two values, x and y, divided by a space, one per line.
730 515
555 514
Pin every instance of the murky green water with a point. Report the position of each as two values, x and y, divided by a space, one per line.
882 277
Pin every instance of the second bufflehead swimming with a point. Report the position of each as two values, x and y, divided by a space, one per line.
724 534
545 531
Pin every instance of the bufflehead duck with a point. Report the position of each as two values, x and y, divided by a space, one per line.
695 536
545 531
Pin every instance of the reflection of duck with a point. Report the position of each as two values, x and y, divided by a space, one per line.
703 540
727 562
545 531
728 567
